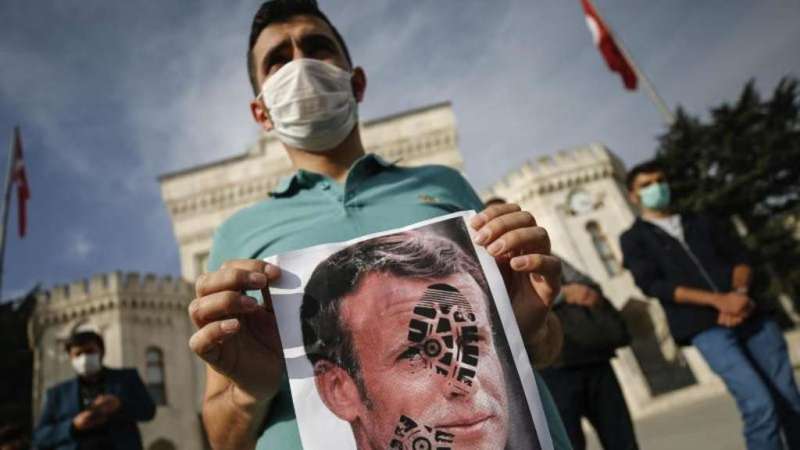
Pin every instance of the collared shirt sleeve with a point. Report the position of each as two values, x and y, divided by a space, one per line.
467 196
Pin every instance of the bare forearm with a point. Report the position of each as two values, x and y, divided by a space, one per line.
231 417
694 296
742 275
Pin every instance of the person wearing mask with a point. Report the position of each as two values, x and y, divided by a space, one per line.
306 92
99 408
699 271
581 378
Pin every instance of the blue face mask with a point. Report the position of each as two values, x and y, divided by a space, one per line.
656 196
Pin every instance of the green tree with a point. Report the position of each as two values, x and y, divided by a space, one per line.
742 162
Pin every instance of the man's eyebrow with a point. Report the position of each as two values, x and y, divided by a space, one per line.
318 38
270 54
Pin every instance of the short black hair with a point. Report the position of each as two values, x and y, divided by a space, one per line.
280 11
650 166
83 338
411 254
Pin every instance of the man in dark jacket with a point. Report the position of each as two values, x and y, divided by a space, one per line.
699 272
99 408
581 379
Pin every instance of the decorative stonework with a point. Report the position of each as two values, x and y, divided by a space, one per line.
565 170
115 290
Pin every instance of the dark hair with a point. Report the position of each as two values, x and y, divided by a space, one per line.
280 11
650 166
410 254
83 338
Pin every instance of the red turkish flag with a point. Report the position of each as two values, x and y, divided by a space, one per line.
608 48
19 180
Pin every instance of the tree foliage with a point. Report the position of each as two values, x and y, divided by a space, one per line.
743 162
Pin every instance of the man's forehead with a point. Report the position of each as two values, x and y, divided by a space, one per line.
91 345
385 295
295 26
644 177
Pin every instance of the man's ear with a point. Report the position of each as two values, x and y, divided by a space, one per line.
359 82
260 114
338 390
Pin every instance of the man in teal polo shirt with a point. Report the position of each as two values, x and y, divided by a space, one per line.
306 91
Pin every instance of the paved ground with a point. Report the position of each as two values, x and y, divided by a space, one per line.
710 424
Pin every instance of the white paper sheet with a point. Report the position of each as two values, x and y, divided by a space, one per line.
433 401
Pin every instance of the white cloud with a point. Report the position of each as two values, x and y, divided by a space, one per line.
79 246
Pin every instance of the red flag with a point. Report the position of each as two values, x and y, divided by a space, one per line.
19 179
608 48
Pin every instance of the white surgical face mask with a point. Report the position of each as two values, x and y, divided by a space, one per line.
311 104
86 364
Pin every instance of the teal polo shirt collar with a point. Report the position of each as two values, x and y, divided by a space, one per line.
304 179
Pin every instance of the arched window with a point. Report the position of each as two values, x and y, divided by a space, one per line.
603 249
155 375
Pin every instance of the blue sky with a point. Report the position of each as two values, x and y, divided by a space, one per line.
111 94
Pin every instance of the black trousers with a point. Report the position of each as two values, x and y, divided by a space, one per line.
593 392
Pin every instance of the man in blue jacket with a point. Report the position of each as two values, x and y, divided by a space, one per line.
99 408
700 273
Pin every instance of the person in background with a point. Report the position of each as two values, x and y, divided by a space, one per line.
581 379
99 408
699 271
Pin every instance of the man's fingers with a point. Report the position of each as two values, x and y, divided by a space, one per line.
205 342
520 241
501 225
491 212
230 279
548 266
219 306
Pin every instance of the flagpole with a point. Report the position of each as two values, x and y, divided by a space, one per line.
6 202
666 113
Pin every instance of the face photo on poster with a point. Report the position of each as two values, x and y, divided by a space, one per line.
405 340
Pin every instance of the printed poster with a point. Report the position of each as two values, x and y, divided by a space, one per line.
405 339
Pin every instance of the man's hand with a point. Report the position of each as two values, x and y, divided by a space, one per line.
734 303
106 404
86 420
730 320
734 308
522 251
236 336
581 295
